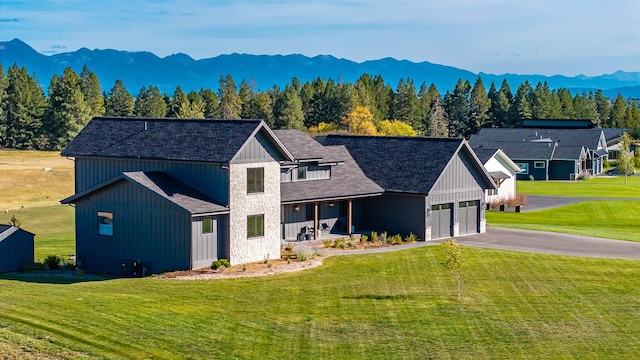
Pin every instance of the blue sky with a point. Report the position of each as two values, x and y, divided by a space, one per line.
548 37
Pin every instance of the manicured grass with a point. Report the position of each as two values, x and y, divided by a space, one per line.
614 219
398 305
600 186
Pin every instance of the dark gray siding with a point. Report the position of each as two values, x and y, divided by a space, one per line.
562 170
257 148
16 250
531 170
393 213
210 179
314 172
145 228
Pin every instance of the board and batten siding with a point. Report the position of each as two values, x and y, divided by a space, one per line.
209 247
294 221
16 250
257 148
208 178
394 213
145 228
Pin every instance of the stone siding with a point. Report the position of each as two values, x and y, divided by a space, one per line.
241 204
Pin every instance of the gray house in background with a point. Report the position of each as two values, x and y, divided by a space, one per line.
175 194
16 248
433 187
547 154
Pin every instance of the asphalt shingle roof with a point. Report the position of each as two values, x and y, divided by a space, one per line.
160 138
347 179
399 164
176 191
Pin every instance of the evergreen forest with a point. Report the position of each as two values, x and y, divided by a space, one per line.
33 119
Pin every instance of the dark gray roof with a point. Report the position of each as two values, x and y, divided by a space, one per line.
166 186
347 179
400 164
537 143
613 134
162 138
484 154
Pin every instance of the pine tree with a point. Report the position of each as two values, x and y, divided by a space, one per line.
479 105
210 100
25 104
119 101
92 92
230 102
290 115
405 104
3 104
426 99
440 119
617 118
456 104
541 101
603 107
150 103
521 108
67 113
178 102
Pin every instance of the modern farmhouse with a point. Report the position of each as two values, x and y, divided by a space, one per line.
178 194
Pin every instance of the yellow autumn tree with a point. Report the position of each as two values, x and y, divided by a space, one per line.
323 128
395 128
360 122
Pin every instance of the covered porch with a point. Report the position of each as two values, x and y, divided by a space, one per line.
317 220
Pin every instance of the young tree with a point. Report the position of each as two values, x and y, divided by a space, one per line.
119 101
626 160
455 262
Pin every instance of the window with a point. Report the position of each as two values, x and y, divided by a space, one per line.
524 167
105 223
309 212
255 225
538 164
255 180
302 173
207 226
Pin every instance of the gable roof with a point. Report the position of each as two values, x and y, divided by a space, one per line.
165 186
164 138
536 143
484 155
401 164
347 179
6 230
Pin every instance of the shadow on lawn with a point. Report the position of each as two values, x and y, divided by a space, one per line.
60 277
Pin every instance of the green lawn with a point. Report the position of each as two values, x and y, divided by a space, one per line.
601 187
53 226
615 219
395 305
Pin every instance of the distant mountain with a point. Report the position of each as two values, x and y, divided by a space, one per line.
137 69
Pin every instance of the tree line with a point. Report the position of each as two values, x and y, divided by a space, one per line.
31 119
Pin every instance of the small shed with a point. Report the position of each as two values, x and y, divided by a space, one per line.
16 248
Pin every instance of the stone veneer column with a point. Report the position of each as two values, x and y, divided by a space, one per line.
241 204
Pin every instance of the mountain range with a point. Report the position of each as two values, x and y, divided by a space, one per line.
137 69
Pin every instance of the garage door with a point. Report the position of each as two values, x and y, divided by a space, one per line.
468 216
440 221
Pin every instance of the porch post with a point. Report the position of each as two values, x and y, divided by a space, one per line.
315 221
349 216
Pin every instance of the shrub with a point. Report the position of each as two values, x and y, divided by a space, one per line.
52 262
395 240
411 238
351 244
303 252
220 264
364 239
374 237
339 243
327 243
383 237
39 266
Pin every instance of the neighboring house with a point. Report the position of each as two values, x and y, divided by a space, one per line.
613 138
16 248
503 172
175 194
434 188
547 154
319 190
